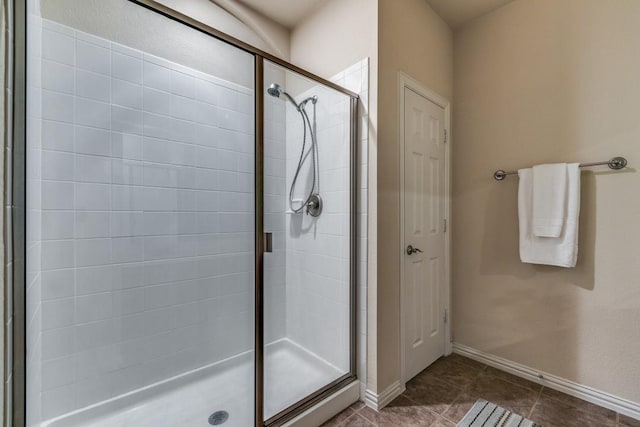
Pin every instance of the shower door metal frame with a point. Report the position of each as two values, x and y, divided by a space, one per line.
18 137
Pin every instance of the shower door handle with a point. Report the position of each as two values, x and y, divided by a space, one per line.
268 242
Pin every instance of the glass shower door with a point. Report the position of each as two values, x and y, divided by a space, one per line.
140 292
307 211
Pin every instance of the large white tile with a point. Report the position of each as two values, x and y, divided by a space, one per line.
57 195
57 225
183 84
160 223
126 146
157 126
57 77
126 67
58 372
92 57
92 252
159 199
129 172
127 276
57 135
127 249
183 108
126 94
163 151
206 135
92 113
126 223
94 307
58 166
58 342
156 101
157 77
206 91
128 301
89 196
57 106
57 313
91 224
126 198
159 247
58 47
92 141
92 280
95 334
93 169
58 284
90 366
92 85
126 120
182 131
206 114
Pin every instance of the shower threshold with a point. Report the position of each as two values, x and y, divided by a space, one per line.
291 372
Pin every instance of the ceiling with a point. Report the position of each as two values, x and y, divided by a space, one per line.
456 13
290 13
287 13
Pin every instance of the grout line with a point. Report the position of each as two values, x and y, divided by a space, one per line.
536 402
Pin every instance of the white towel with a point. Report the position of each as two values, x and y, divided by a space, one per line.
549 199
560 251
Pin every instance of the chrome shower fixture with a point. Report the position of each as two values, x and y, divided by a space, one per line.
313 201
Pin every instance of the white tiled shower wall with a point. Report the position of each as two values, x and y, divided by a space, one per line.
146 226
318 248
140 222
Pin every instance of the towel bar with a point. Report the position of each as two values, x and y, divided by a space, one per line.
615 163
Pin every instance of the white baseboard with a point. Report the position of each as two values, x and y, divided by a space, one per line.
600 398
382 399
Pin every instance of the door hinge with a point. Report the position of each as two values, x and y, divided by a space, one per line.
446 317
445 225
445 136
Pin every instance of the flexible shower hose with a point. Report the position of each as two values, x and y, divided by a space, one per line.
303 156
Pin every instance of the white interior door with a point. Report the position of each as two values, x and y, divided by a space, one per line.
424 228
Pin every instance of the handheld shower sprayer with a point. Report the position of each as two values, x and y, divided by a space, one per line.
313 201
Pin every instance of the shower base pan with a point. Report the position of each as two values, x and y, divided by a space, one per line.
291 373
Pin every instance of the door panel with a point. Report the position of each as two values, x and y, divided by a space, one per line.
424 195
307 274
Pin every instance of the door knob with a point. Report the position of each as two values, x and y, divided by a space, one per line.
411 250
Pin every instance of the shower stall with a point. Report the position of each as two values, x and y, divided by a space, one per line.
186 224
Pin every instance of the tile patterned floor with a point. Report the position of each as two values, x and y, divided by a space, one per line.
441 394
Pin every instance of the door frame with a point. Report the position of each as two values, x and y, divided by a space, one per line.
405 81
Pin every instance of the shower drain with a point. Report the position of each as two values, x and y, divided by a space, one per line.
218 417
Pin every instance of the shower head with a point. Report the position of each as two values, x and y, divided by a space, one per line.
275 90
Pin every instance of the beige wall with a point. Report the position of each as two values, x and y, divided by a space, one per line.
237 20
336 36
413 39
550 81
